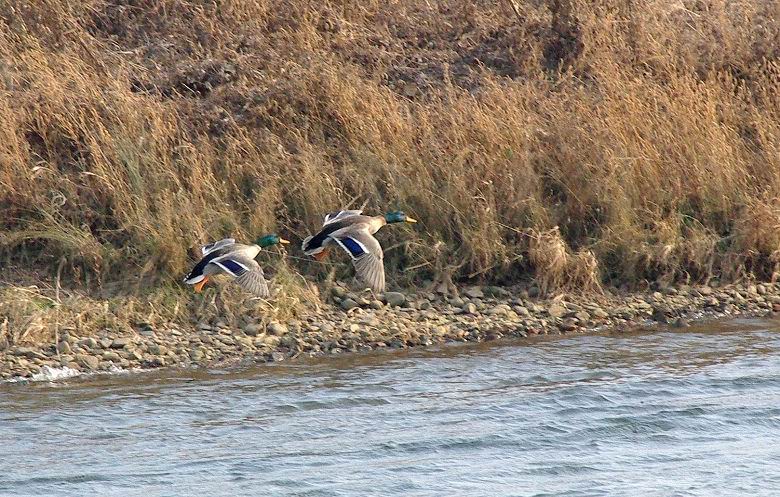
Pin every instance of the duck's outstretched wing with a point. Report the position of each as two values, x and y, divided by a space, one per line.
338 215
335 221
366 254
211 247
210 252
245 271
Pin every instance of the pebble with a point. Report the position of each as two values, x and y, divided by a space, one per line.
252 329
89 343
277 329
474 292
88 361
120 343
157 350
568 324
111 356
348 304
521 311
470 308
63 347
556 311
422 319
28 352
395 299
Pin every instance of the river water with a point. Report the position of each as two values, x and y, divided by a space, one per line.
653 412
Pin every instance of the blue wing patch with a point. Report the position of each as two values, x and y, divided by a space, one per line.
354 247
232 266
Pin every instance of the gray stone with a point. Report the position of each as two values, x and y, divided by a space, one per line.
63 348
568 325
105 343
157 361
660 314
712 302
88 361
582 316
469 308
556 311
277 356
111 356
361 301
348 304
521 311
375 304
275 328
88 343
499 310
474 292
457 302
121 343
157 349
338 292
495 291
252 329
394 299
28 352
267 341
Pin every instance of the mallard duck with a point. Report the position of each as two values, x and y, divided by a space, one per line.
236 260
354 233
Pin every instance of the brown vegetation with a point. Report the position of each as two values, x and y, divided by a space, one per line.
647 132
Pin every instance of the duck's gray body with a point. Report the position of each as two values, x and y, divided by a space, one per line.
354 233
232 259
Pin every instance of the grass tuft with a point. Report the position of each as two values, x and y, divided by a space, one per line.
133 132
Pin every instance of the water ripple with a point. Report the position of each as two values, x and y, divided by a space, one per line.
693 413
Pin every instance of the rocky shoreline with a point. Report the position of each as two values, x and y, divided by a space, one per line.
354 322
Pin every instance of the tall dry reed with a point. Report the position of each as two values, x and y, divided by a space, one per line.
133 131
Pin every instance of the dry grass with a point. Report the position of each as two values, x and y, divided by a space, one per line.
650 135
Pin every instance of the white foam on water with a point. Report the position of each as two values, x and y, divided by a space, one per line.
48 373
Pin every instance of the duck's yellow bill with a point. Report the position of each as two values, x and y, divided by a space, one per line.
283 241
199 285
410 219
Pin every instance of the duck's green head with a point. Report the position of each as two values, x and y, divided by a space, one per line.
398 217
268 240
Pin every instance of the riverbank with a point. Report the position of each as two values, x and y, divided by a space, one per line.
351 322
